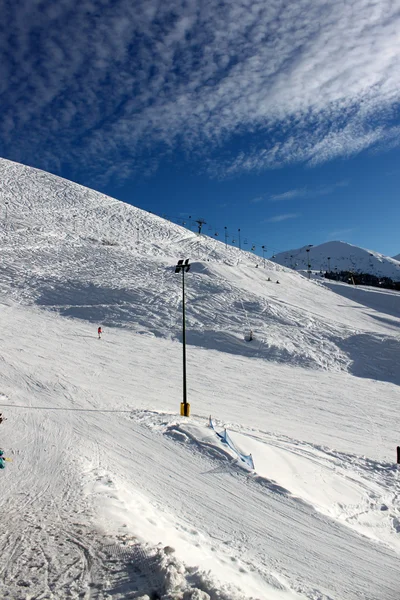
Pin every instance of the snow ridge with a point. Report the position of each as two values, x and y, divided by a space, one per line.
340 256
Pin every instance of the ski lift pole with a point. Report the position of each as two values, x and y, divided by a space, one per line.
184 266
184 386
308 262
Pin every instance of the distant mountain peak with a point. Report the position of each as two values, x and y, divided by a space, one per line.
341 256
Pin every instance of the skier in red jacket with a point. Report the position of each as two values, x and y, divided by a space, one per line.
99 332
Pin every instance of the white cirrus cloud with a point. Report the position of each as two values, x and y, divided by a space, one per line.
306 192
127 81
289 195
339 233
283 217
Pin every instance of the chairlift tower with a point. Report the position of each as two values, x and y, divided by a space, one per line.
184 267
200 223
308 263
263 248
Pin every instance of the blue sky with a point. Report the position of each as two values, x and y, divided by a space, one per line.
274 117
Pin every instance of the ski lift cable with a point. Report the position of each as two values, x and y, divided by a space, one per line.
188 222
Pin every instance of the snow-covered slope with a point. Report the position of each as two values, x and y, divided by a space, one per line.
397 257
85 255
110 493
340 256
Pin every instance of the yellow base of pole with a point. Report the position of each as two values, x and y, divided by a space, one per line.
185 409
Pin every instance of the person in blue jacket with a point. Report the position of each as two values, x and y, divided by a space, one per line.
2 462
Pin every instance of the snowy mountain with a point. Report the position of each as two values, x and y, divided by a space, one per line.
110 493
397 257
340 256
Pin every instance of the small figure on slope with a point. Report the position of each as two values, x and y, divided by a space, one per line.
2 418
2 463
99 332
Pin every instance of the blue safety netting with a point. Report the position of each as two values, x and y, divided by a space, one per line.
226 439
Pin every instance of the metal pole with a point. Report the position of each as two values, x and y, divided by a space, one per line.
184 343
226 236
240 245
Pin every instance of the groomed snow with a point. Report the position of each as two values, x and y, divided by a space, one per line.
111 494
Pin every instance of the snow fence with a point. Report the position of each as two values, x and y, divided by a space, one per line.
226 439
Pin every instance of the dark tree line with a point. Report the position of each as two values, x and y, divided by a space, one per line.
363 279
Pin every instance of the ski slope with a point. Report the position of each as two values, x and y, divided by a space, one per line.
111 494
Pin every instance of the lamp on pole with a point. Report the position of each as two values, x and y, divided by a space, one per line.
183 267
240 245
263 248
308 263
226 236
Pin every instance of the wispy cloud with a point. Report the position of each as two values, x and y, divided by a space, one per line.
279 218
339 233
305 192
289 195
132 80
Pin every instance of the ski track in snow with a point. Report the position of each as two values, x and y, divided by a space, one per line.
111 494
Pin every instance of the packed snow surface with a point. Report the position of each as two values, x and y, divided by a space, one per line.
340 256
110 493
